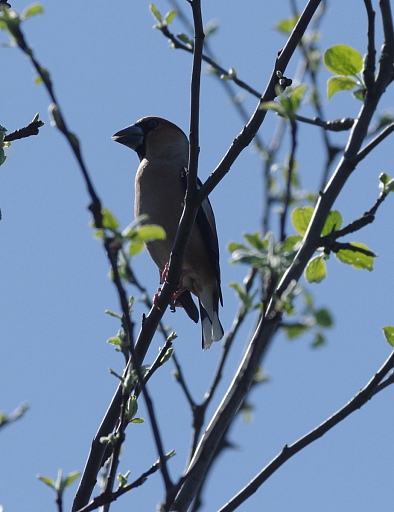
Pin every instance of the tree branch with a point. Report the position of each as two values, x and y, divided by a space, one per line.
215 66
269 323
106 498
290 169
244 138
27 131
369 68
360 399
374 142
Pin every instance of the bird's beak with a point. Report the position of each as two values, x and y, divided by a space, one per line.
132 137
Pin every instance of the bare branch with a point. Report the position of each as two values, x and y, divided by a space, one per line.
106 498
290 169
219 71
369 68
374 142
27 131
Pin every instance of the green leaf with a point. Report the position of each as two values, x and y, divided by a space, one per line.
390 186
47 481
384 178
115 341
343 60
32 10
296 94
135 247
185 39
172 336
156 13
249 257
150 232
333 222
70 478
131 408
359 94
293 331
386 184
234 246
287 103
141 235
255 240
388 332
111 313
273 105
109 219
292 243
357 259
339 83
316 270
319 340
301 217
323 317
242 295
168 355
169 17
122 479
286 26
137 420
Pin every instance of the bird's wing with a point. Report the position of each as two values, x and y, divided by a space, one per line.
205 220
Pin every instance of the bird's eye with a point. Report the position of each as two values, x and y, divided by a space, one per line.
153 123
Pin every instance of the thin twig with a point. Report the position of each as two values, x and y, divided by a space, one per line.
157 363
374 142
32 128
215 66
182 382
287 198
106 498
367 218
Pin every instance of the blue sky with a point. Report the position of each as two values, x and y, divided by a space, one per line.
109 69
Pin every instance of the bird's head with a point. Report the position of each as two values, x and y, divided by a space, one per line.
154 137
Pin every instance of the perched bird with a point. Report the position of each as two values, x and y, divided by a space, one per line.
160 186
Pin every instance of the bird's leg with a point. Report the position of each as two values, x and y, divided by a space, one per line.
181 288
179 291
163 275
155 298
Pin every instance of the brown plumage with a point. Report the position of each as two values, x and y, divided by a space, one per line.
160 188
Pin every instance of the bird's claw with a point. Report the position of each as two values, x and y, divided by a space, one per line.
156 298
172 303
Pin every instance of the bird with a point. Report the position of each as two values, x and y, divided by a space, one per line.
160 187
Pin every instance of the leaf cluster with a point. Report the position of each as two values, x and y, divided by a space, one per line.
347 64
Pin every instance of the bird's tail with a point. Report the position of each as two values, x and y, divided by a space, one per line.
212 329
